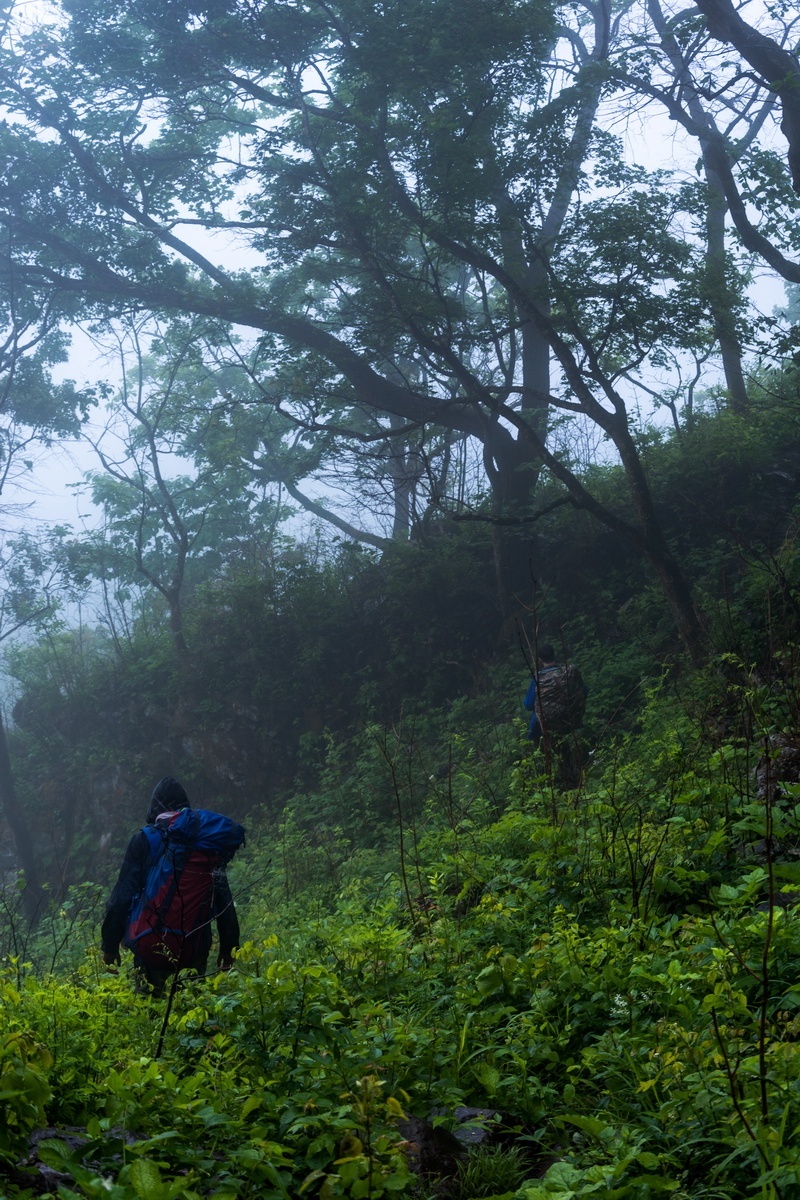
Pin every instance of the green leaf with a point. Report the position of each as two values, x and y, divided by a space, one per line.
591 1125
649 1161
489 980
146 1180
250 1105
489 1076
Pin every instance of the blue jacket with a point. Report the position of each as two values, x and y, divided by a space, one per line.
534 727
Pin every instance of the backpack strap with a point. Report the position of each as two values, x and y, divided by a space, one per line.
154 839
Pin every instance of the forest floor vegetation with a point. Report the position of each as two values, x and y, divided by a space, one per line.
458 981
609 976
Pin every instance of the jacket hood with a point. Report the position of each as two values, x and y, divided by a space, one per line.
168 796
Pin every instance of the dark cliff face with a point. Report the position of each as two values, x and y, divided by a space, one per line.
8 857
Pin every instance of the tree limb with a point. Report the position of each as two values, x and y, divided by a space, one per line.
778 68
319 510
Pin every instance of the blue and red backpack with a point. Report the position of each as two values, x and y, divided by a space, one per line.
175 904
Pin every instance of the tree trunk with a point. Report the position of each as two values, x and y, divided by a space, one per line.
517 469
513 472
32 896
175 607
402 483
654 546
721 297
536 354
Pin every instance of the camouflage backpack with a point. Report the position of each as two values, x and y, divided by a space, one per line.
560 699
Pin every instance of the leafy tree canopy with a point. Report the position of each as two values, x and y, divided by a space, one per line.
423 209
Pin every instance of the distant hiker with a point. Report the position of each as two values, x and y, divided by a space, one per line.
556 699
171 886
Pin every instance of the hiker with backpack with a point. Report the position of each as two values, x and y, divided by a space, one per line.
556 699
171 886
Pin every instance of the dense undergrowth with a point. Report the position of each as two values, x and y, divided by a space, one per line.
612 972
298 651
609 975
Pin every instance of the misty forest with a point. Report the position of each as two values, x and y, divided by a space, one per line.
374 355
